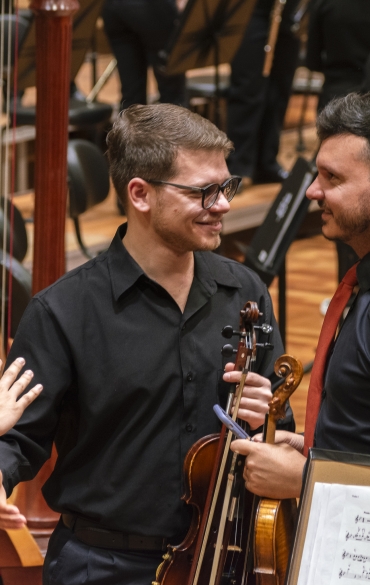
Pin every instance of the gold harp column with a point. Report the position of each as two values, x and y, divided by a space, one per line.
53 66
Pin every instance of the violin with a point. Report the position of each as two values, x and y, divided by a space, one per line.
275 519
219 539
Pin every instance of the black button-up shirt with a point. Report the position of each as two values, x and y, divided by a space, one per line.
113 347
343 423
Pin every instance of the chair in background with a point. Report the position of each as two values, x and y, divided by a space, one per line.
9 24
21 291
10 263
204 99
88 181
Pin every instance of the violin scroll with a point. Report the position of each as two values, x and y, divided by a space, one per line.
288 367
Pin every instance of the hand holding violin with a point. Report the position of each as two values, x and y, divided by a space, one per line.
273 471
254 404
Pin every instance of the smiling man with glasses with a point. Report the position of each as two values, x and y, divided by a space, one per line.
128 349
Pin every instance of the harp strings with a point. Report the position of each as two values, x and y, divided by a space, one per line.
8 72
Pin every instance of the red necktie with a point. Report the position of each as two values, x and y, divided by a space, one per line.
328 330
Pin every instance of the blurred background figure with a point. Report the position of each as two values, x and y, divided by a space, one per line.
257 104
339 46
137 31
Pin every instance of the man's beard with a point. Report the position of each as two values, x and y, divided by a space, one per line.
350 224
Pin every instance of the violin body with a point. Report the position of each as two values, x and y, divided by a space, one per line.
275 519
177 567
198 470
274 531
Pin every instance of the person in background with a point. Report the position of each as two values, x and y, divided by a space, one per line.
256 104
137 30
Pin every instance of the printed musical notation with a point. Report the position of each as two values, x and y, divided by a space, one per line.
363 519
348 574
361 535
355 556
336 548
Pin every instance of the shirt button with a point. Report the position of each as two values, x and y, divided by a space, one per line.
183 328
189 428
189 376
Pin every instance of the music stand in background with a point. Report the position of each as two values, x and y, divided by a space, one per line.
84 23
267 250
209 33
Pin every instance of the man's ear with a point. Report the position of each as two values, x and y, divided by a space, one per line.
138 193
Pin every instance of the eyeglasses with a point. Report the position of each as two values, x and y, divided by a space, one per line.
210 192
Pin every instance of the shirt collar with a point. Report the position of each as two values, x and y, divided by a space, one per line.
363 273
212 270
124 271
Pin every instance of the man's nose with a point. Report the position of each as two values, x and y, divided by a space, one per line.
315 191
221 205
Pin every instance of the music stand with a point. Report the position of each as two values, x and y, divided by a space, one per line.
84 22
209 33
267 250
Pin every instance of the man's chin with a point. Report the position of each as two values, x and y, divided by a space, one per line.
209 246
335 238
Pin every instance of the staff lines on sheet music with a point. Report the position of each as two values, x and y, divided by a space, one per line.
361 535
364 576
362 519
355 556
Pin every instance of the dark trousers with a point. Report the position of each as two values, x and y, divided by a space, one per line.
70 562
257 104
137 30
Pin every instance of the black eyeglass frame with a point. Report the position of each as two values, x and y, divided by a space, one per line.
203 190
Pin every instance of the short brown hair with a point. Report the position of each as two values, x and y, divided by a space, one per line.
145 140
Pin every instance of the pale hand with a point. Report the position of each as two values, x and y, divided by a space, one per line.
12 408
254 404
271 471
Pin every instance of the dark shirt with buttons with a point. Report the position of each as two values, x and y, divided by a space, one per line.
343 421
129 385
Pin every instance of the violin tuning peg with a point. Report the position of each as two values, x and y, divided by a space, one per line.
228 332
266 328
228 350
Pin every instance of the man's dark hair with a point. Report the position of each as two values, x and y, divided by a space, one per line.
346 115
145 140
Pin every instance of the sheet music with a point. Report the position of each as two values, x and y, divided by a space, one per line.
337 543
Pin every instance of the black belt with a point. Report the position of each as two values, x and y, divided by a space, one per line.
92 534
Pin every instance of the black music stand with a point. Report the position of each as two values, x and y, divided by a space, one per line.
84 22
267 250
209 33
